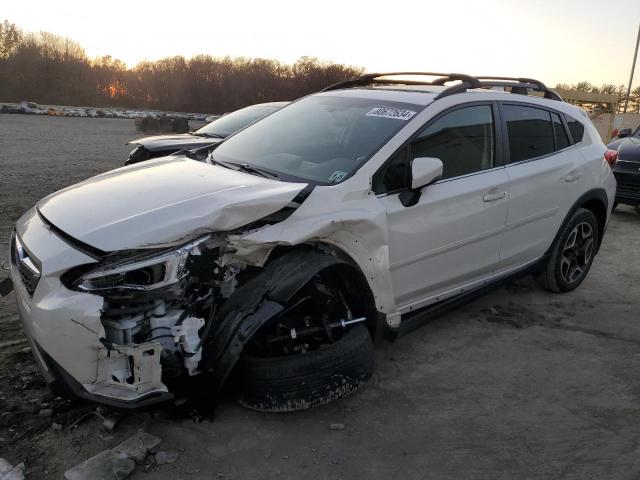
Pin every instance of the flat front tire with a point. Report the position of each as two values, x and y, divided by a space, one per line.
572 253
300 381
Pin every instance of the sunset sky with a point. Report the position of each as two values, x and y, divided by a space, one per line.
553 40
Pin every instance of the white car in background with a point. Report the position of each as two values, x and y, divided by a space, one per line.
347 216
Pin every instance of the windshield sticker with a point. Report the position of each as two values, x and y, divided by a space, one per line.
391 113
337 176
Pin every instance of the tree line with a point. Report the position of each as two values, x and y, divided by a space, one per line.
51 69
610 89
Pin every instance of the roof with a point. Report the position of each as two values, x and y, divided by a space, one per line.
417 95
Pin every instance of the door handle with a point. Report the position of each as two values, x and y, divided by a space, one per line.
572 177
492 197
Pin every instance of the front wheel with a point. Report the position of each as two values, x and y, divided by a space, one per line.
572 253
307 356
298 382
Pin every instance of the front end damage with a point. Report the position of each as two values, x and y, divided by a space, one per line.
157 309
138 328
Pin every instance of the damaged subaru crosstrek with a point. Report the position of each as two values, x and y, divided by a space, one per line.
279 256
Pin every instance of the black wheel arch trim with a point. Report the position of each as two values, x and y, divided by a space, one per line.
598 194
253 305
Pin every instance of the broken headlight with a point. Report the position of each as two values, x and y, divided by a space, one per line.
145 272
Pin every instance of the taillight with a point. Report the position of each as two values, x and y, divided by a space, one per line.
611 156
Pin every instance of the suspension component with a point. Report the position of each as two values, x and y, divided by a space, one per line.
298 333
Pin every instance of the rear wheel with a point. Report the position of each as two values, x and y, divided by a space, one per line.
572 254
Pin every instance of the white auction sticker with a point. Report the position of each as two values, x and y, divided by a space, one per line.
391 113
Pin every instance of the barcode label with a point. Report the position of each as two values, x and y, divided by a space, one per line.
395 113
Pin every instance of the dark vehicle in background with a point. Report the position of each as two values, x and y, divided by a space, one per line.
210 134
627 168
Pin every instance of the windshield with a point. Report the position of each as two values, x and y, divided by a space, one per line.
234 121
320 138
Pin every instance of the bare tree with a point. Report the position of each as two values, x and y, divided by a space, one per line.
10 36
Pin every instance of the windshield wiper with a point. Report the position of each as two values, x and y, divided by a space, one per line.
220 162
245 167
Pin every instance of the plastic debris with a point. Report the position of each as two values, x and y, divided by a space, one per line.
138 446
166 456
9 472
107 465
117 463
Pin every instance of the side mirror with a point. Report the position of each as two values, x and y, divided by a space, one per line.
625 132
424 171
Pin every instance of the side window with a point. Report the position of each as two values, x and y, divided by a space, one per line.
576 128
562 141
530 132
462 139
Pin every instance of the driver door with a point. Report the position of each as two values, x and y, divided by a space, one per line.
452 237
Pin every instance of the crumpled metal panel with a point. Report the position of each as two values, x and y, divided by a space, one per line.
163 202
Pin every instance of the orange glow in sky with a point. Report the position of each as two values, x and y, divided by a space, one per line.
552 40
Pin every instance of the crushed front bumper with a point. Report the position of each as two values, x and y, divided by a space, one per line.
63 384
64 328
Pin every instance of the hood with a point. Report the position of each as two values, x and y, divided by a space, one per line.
161 202
175 142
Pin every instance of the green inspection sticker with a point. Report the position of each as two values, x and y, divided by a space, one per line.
337 176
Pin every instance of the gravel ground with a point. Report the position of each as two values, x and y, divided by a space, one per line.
519 384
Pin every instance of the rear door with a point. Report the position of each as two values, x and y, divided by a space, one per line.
452 236
544 179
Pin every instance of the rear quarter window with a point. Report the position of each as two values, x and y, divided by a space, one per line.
530 132
576 128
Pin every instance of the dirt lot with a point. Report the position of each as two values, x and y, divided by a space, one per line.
519 384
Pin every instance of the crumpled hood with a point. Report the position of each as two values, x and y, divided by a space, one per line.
171 142
161 202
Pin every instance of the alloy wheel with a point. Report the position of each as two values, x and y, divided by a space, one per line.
577 253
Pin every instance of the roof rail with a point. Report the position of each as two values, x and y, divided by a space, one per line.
539 86
518 85
376 78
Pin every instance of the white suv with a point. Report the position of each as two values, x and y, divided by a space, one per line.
349 215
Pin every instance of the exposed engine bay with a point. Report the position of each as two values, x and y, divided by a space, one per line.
159 304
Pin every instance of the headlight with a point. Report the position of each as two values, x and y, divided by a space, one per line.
143 272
